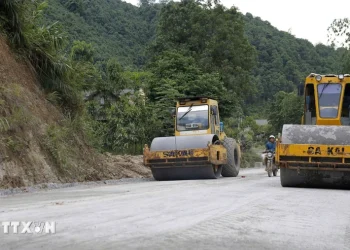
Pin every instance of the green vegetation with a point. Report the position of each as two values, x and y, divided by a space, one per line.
339 35
41 46
206 48
286 108
284 61
136 36
114 28
64 143
251 137
127 32
116 69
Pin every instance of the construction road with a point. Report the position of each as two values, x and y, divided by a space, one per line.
251 211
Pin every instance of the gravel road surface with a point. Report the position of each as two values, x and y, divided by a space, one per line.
251 211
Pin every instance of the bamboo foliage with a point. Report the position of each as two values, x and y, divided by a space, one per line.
9 16
41 45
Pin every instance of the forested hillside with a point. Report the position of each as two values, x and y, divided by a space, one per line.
115 28
45 132
283 60
121 30
185 48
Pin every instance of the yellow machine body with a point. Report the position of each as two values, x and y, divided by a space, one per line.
198 148
317 152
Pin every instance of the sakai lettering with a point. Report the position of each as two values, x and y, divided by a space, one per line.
330 151
314 151
174 153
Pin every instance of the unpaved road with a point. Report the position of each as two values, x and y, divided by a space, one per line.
254 212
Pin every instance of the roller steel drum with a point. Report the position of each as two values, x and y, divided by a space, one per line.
315 134
181 142
177 171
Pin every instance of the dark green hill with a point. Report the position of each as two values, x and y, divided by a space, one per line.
115 28
118 29
284 60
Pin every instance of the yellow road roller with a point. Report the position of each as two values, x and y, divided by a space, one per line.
317 152
199 150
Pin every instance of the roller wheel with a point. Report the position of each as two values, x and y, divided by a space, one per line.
290 178
269 168
231 169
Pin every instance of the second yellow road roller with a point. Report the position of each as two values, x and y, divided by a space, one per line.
316 153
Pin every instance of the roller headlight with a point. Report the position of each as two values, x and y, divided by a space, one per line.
318 78
269 154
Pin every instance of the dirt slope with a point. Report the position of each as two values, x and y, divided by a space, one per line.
37 144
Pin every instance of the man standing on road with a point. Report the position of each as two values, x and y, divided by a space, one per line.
270 146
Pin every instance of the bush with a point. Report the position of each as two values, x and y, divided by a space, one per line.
249 158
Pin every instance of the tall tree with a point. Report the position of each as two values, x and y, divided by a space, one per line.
286 108
212 36
339 35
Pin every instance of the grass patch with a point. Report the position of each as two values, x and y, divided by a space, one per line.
68 147
15 144
4 124
59 142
